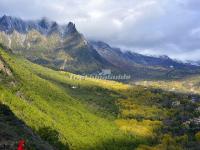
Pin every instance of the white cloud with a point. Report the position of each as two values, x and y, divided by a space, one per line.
117 22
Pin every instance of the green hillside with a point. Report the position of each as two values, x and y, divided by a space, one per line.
45 105
72 112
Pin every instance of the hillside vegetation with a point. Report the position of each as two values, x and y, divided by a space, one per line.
186 85
72 112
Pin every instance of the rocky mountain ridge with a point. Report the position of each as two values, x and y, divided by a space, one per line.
63 47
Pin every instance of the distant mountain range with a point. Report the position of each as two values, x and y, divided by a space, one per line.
62 47
10 24
195 63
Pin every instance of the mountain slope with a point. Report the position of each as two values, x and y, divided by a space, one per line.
37 96
50 44
144 66
62 47
72 112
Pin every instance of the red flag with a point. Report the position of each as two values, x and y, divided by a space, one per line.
21 145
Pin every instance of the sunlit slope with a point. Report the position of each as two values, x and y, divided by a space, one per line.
72 112
186 85
40 97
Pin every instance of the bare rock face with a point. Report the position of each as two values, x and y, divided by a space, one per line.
4 68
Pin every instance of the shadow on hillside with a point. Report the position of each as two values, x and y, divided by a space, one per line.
12 129
99 99
8 138
119 144
52 136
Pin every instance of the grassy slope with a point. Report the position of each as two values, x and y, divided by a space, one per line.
96 114
46 104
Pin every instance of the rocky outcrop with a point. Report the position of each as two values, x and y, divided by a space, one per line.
4 69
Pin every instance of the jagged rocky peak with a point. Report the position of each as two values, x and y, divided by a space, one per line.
54 28
44 23
65 30
70 28
5 20
8 24
54 25
45 26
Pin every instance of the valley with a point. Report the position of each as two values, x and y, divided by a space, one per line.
97 114
47 99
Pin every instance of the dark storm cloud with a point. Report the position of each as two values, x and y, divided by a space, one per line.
146 26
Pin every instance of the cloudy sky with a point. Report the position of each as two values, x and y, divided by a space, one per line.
153 27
